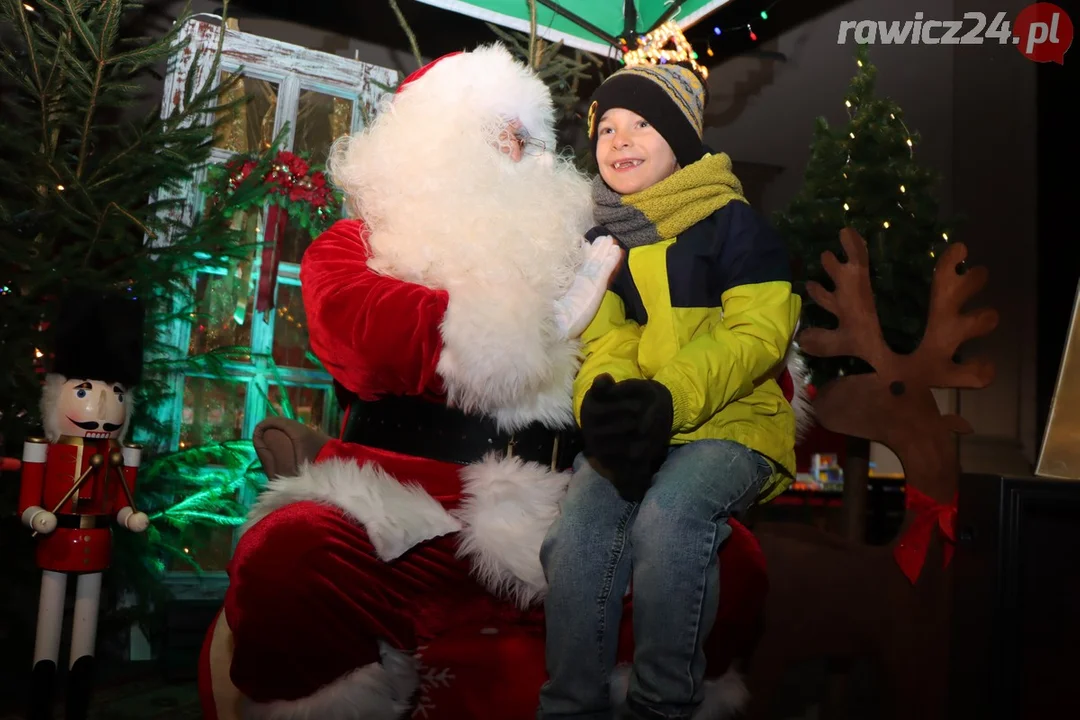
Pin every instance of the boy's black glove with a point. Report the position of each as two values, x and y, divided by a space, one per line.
626 429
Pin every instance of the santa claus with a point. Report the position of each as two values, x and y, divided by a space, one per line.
399 571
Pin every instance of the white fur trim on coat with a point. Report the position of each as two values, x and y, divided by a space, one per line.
800 401
397 516
725 696
508 507
379 691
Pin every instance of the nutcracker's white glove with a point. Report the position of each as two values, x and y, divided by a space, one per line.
39 519
576 308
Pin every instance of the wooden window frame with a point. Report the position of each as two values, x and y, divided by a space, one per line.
293 69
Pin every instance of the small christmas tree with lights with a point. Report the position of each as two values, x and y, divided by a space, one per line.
864 175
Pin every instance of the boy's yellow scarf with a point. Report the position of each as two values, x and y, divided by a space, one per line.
670 207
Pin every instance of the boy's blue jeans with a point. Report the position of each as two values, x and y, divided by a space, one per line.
669 543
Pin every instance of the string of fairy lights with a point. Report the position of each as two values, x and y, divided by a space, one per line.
911 153
667 43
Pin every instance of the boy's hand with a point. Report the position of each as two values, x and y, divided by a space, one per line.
626 429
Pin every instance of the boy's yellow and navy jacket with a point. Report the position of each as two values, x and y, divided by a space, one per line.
708 311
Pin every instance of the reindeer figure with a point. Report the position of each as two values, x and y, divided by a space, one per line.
836 599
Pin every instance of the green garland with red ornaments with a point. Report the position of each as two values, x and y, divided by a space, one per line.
300 189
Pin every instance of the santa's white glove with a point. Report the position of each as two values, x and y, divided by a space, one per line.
577 307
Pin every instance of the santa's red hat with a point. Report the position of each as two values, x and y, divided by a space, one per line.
417 74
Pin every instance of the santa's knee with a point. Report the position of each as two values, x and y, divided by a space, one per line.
300 603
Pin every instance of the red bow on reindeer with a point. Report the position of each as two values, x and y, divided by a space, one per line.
910 552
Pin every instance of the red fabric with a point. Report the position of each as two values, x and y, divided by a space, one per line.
440 480
308 597
482 673
73 549
744 583
206 681
787 385
375 334
417 74
32 485
276 223
910 552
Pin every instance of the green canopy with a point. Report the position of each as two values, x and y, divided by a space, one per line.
598 26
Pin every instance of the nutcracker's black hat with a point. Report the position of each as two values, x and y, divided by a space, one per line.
99 336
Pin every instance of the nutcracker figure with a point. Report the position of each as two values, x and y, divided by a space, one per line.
79 479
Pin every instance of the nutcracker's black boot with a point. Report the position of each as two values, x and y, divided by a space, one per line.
79 686
42 682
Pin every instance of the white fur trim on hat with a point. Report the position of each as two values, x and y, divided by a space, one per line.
396 516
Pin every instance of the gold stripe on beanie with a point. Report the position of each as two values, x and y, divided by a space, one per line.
678 83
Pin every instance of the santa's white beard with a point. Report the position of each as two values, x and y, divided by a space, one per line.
445 208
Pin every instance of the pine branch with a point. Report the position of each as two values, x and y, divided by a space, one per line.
408 32
533 60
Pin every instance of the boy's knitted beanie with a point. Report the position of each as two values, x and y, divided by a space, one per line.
671 97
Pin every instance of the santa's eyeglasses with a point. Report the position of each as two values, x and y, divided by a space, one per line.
530 145
515 132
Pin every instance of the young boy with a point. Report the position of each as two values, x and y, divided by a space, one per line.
683 422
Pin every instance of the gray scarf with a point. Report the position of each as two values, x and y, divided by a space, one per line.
628 224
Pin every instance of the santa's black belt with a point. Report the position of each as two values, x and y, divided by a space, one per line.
417 427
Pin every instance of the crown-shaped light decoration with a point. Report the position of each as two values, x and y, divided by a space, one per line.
665 44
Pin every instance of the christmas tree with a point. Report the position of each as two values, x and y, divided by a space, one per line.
865 175
93 194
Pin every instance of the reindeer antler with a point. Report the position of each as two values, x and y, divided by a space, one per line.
859 332
948 326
